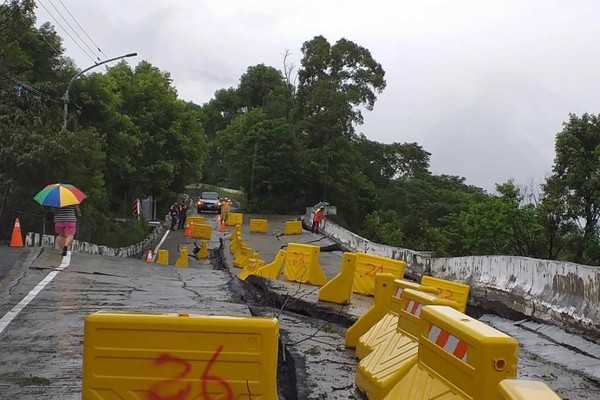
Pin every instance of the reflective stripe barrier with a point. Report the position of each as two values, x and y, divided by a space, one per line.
379 371
368 265
302 264
512 389
182 261
163 257
339 289
380 307
292 228
253 265
234 219
273 269
459 292
202 231
381 331
168 356
459 358
258 225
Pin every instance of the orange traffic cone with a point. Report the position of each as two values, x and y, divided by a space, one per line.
188 230
16 239
222 226
149 257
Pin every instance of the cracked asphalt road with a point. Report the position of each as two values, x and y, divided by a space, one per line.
42 347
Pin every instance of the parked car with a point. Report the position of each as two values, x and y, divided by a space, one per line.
209 201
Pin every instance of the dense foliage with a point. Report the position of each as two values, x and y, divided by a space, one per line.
128 134
286 138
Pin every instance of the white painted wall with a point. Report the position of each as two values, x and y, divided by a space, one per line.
562 293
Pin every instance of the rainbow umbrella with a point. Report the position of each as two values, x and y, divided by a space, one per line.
59 195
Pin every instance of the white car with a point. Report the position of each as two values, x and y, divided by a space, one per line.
209 201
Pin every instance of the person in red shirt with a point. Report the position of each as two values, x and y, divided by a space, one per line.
317 218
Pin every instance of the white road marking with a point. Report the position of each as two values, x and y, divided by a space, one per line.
12 314
159 244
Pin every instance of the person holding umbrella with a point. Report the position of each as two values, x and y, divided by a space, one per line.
65 225
64 200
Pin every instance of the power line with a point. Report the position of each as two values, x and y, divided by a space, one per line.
73 29
83 30
68 34
39 33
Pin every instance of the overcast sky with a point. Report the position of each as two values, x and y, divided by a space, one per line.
482 85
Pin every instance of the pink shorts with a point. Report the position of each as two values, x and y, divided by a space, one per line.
65 228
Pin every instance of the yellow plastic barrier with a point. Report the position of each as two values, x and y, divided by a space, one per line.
459 292
195 219
258 225
379 371
203 253
242 257
302 264
182 261
292 228
236 244
169 356
339 289
512 389
273 269
163 257
459 358
253 265
246 260
368 265
202 231
380 307
234 219
380 332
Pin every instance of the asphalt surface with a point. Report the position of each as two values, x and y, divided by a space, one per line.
42 345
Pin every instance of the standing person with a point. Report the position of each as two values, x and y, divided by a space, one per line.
317 218
225 205
174 212
65 225
182 215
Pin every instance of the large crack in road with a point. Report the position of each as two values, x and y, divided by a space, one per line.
313 363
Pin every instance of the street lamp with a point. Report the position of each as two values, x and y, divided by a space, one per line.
66 95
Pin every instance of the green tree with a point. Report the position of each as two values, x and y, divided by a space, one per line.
155 141
575 181
334 83
262 157
503 224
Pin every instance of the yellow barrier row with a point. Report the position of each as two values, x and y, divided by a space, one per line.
183 259
415 342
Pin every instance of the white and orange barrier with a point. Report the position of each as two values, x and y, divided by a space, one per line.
380 370
383 329
459 358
